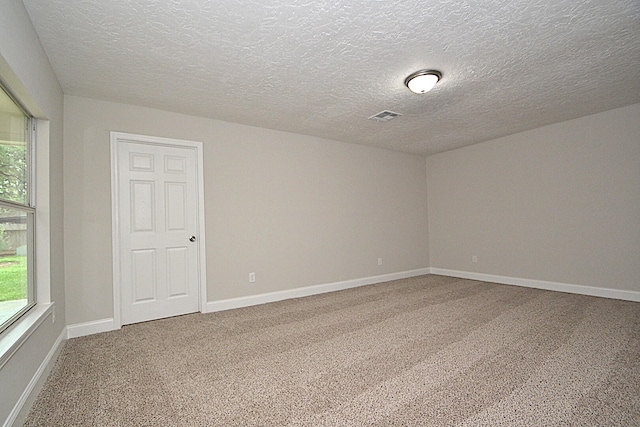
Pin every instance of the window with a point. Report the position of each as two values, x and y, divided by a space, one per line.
17 212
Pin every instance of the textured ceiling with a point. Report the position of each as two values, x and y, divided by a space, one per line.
322 67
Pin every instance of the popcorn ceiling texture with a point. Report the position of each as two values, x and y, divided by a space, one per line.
323 67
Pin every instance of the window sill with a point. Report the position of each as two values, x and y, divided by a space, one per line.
13 338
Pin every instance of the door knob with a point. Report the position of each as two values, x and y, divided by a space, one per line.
192 238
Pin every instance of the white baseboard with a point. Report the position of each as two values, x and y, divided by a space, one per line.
231 303
106 325
541 284
90 328
21 408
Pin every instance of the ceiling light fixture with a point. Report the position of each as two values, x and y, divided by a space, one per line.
422 81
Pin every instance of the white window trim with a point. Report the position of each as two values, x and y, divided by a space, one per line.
15 335
40 179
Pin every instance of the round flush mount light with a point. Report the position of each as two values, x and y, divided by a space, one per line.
422 81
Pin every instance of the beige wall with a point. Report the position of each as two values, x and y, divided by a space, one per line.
296 210
26 70
559 203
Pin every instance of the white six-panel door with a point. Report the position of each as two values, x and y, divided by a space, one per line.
157 230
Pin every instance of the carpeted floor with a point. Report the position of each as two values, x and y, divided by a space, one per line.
424 351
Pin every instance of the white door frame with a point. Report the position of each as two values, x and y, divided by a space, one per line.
116 138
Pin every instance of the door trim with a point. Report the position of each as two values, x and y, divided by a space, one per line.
116 139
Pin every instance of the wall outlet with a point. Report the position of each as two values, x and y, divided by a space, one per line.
474 258
53 315
379 261
252 277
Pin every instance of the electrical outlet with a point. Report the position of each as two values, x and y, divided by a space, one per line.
379 261
474 259
53 315
252 277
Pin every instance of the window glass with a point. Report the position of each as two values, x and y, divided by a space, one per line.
17 288
15 262
13 151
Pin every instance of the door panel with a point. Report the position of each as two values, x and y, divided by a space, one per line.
142 206
141 162
174 164
175 195
144 281
177 271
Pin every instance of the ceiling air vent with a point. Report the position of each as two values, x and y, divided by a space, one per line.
384 116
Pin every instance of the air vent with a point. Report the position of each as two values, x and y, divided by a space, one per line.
384 116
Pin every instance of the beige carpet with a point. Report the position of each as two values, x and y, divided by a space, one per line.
424 351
